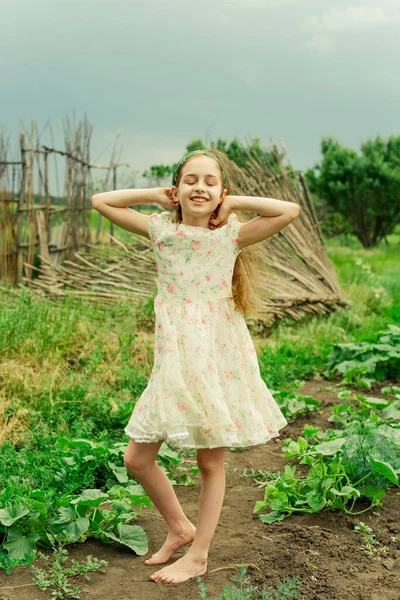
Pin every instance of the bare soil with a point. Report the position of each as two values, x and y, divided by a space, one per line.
321 548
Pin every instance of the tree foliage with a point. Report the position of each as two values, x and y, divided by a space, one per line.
236 151
363 187
157 174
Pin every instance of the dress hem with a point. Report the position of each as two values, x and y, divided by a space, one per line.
172 443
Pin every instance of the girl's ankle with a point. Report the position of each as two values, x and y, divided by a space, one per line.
200 556
181 529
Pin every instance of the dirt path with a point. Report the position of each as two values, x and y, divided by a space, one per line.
322 548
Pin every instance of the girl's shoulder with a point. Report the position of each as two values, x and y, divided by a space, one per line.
161 217
232 234
157 221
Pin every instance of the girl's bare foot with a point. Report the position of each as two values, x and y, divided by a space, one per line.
171 545
183 569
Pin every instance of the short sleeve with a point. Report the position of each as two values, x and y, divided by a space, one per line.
155 224
233 227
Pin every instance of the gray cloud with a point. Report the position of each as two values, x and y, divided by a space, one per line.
167 72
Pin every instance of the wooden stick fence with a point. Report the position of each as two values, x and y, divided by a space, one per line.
57 230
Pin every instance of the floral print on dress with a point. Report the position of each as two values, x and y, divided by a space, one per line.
205 389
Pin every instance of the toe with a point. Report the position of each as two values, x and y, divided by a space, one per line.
157 576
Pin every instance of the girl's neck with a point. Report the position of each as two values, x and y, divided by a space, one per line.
194 225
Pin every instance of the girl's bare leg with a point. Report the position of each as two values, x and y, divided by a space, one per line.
140 460
194 563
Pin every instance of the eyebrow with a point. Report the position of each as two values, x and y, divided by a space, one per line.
194 175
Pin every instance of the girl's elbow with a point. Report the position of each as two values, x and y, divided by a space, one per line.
95 200
295 211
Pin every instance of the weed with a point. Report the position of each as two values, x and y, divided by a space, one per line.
266 476
57 575
369 539
242 588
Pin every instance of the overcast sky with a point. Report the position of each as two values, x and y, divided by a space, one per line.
169 71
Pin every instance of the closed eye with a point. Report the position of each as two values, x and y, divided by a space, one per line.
193 182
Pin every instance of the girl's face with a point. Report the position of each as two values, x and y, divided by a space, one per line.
200 178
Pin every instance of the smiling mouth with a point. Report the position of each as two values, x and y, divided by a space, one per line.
199 200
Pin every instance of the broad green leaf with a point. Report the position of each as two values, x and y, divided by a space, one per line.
373 492
317 503
346 490
66 514
121 473
392 433
259 505
20 546
172 455
11 514
135 490
273 516
327 482
69 531
330 448
385 469
132 536
92 497
379 402
300 502
392 411
279 502
73 531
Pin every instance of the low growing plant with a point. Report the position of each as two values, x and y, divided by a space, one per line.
370 542
359 461
243 589
363 363
56 575
42 517
292 404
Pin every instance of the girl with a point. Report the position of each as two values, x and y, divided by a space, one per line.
205 390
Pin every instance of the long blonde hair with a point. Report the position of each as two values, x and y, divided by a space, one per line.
246 273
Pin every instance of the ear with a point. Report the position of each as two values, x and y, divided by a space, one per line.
224 195
174 191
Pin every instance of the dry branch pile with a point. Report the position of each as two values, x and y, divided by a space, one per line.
300 279
297 277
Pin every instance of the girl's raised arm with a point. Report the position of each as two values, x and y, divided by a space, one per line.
115 207
274 216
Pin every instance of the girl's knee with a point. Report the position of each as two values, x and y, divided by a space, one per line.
210 460
136 465
140 457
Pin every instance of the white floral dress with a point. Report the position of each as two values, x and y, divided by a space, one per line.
205 389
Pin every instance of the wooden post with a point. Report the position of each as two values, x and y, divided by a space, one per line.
31 225
114 188
47 193
21 197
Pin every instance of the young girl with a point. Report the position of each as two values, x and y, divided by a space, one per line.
205 390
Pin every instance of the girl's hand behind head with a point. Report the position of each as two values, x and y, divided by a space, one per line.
222 214
164 197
